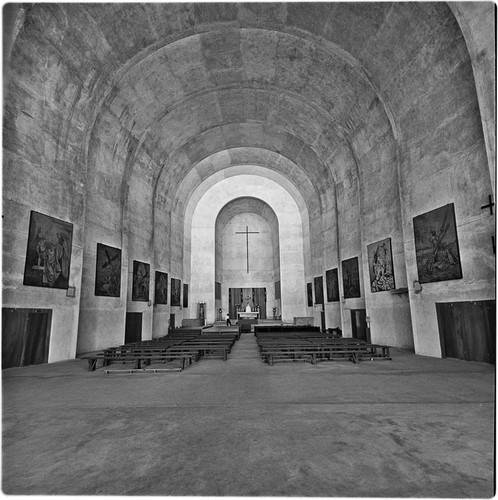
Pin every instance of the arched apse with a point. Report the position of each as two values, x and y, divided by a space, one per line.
247 261
303 203
291 243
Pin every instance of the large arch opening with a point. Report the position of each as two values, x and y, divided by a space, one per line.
287 218
247 262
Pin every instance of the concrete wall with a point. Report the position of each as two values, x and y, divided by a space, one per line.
261 257
43 169
443 160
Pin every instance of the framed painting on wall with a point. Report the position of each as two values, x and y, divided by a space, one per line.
48 254
380 265
351 278
108 271
436 245
161 288
332 284
318 282
141 279
185 295
309 291
176 291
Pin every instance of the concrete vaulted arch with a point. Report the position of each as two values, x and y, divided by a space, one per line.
117 114
141 139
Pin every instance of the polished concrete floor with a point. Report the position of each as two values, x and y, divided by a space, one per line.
410 427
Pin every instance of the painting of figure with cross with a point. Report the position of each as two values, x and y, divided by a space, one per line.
436 245
176 291
141 278
48 255
108 271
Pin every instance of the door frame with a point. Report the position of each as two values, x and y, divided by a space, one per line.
354 326
26 312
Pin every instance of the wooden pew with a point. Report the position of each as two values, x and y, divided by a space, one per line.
314 346
283 329
187 345
145 354
212 345
92 358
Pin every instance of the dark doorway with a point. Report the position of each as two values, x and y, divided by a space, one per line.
133 328
359 324
260 301
234 300
25 336
467 330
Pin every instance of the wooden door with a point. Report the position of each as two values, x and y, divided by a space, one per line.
359 324
260 300
234 300
25 336
467 330
133 327
171 321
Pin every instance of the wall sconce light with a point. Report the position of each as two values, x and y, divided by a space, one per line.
417 287
71 291
149 303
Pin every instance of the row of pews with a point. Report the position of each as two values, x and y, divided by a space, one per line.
282 343
183 346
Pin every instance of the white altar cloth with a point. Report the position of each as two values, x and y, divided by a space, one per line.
248 314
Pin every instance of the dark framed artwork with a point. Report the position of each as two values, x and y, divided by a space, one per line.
176 291
318 282
309 291
141 280
48 254
161 288
351 278
380 265
436 245
185 295
217 290
332 284
108 271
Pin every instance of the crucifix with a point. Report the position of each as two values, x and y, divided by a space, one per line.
489 205
247 233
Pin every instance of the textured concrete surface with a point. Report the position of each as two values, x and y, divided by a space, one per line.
412 427
375 113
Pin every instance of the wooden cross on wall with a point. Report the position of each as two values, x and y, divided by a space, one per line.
490 205
247 233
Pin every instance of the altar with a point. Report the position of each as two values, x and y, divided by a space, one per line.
248 314
246 319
